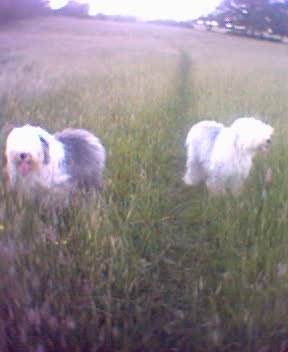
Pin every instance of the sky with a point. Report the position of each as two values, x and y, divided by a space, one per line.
148 9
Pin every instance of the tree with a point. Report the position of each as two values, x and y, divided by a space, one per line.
255 17
279 19
15 9
74 9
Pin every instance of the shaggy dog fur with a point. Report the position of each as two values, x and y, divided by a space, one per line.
69 160
222 156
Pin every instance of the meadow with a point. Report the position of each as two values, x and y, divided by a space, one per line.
151 265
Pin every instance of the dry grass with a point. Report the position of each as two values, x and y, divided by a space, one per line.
152 265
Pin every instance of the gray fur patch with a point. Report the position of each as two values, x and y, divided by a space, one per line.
212 133
84 158
205 149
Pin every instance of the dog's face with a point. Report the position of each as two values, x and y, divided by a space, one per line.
252 135
27 150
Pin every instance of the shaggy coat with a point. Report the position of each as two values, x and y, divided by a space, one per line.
69 160
222 156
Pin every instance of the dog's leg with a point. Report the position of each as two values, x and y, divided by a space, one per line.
193 174
214 186
236 186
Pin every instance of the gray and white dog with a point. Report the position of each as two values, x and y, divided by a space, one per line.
66 161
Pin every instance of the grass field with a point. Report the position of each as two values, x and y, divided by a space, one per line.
152 265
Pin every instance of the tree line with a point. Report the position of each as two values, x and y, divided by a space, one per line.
259 18
253 17
15 9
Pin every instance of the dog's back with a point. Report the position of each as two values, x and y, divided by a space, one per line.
199 143
84 157
201 138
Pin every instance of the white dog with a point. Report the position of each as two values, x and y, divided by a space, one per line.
222 156
69 160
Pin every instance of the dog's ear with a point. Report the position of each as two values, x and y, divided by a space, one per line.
45 148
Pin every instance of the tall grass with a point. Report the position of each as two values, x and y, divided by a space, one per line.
151 265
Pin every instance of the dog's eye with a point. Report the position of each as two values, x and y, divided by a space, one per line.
268 141
22 156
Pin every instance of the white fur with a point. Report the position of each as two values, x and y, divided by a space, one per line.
52 174
26 140
222 156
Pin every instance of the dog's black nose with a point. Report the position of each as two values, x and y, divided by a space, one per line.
22 156
268 141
